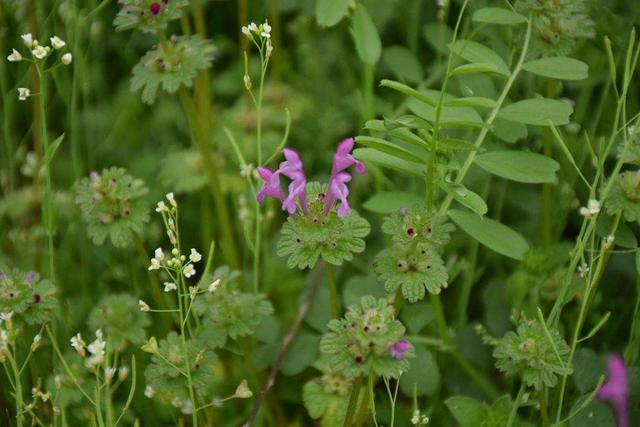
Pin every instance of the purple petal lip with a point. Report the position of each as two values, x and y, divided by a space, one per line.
616 389
398 348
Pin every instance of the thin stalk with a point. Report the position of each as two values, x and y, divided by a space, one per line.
353 402
185 350
333 291
547 189
368 108
514 409
17 389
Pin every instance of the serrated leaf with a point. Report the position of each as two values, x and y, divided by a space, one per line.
561 68
366 36
520 166
330 12
538 112
475 52
403 63
492 234
390 201
499 16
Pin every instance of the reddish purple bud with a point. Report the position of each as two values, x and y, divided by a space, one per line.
616 389
30 278
398 348
155 8
165 1
403 211
359 358
36 298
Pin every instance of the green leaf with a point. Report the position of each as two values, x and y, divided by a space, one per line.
409 91
438 35
499 16
302 354
476 67
467 411
51 151
588 368
538 112
520 166
416 316
561 68
403 63
595 414
391 201
476 52
423 375
457 144
491 233
465 197
625 237
366 36
474 101
451 116
330 12
509 131
385 160
357 287
386 147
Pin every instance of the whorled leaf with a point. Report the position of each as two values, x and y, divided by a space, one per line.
139 14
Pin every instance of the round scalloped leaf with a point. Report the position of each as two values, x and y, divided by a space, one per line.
624 196
417 224
137 14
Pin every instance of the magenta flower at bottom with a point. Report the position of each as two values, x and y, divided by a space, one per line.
398 348
616 389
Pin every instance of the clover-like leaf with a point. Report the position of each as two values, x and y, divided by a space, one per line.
171 65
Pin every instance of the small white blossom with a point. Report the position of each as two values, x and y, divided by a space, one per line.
123 373
195 256
27 39
608 241
96 349
266 28
592 208
253 27
265 35
41 52
247 82
23 93
169 286
78 343
188 270
214 285
193 291
583 269
161 207
108 374
156 261
6 316
57 381
269 49
57 42
143 306
172 199
14 56
36 342
247 32
149 391
243 391
67 58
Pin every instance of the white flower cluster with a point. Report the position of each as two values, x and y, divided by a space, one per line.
592 208
38 53
263 33
175 263
95 349
185 405
418 419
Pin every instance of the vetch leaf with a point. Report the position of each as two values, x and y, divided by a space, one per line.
538 112
409 91
474 101
476 67
51 151
491 233
476 52
499 16
520 166
391 201
383 146
383 159
438 35
403 63
330 12
561 68
366 36
466 197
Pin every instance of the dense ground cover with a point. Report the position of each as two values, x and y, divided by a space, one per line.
331 212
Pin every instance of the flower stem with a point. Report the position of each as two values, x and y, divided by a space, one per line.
353 401
17 389
514 409
333 291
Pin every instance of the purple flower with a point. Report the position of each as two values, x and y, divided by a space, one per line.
403 211
337 182
3 276
398 348
616 389
155 8
292 169
271 187
30 277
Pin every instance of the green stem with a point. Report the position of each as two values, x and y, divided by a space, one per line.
333 291
353 401
17 388
368 108
514 409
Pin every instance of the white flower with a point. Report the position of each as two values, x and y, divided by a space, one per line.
169 286
156 261
243 391
253 27
214 285
266 28
27 39
143 306
41 52
269 49
608 241
195 256
78 343
583 270
172 199
188 270
149 391
36 342
57 381
108 374
6 316
592 208
57 42
247 82
161 207
23 93
247 32
123 373
15 56
67 58
96 349
193 291
265 35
